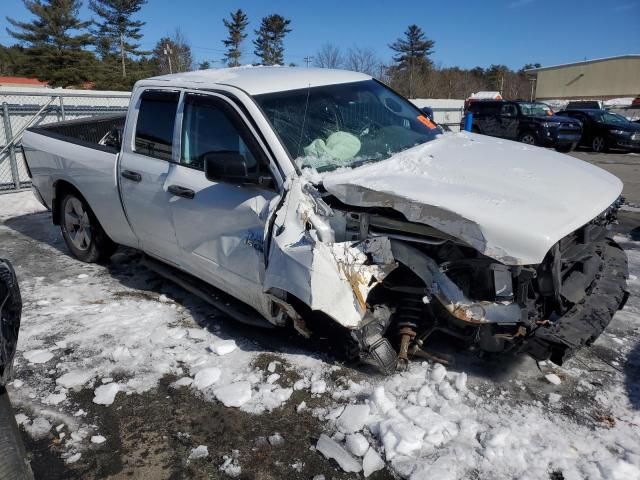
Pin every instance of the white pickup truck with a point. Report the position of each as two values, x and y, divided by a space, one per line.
323 200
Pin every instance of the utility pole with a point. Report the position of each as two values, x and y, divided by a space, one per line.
308 59
167 51
502 85
124 68
533 83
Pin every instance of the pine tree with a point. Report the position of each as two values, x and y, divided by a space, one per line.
55 52
412 54
236 27
115 31
269 42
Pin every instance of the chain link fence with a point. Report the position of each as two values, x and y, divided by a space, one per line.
23 109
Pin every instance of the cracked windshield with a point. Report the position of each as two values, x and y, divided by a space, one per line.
345 125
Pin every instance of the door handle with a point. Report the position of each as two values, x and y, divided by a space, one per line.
183 192
134 176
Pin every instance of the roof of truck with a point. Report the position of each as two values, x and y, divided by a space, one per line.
258 80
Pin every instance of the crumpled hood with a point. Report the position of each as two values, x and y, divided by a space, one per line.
510 201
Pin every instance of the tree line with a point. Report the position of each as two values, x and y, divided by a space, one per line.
59 47
105 52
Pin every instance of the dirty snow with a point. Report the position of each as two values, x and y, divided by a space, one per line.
223 347
234 394
38 356
200 451
98 439
106 394
429 422
331 449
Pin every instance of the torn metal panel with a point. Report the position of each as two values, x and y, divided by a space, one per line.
449 294
333 277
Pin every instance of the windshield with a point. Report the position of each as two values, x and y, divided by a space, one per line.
345 125
535 109
608 117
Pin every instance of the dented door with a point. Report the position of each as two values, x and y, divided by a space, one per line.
219 226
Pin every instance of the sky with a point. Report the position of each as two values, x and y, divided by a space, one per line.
466 33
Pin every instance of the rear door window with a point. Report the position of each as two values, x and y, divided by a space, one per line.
156 121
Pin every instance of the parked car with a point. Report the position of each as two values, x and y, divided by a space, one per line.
603 130
584 105
13 461
322 198
532 123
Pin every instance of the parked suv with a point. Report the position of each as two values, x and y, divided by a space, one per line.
532 123
604 130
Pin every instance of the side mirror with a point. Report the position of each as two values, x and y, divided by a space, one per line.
231 167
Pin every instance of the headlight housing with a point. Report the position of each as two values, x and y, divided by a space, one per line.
619 132
550 124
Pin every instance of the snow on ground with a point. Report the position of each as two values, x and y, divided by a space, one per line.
21 203
105 332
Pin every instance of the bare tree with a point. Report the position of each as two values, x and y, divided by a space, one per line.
362 59
329 56
173 54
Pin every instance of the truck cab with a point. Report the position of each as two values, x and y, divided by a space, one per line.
532 123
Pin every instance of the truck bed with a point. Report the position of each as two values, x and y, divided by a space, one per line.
88 132
80 155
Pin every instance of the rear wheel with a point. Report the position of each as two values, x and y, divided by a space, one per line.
81 231
529 138
598 144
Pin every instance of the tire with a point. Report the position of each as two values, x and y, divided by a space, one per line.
563 148
81 231
598 144
14 463
528 138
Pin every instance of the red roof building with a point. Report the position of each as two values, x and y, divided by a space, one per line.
21 82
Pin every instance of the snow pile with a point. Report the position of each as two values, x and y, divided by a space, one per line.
428 424
21 203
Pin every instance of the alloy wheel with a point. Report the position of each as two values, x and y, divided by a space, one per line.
77 224
598 144
529 139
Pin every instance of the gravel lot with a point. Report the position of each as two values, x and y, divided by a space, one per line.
131 334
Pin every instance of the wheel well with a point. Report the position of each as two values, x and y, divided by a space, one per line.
61 188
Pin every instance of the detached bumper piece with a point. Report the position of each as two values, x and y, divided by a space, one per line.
558 340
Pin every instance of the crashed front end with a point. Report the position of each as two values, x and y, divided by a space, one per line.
394 283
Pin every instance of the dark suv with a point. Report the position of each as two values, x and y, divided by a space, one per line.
527 122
